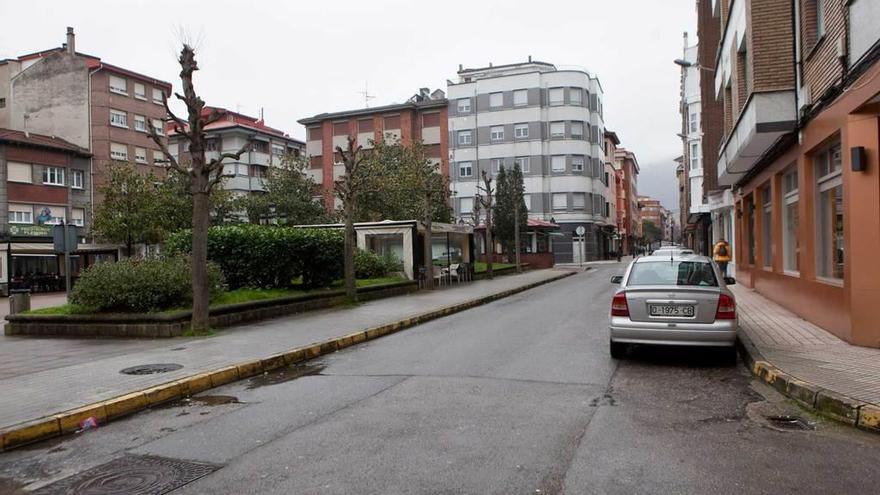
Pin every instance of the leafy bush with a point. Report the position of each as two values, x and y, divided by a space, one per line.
263 256
370 265
137 286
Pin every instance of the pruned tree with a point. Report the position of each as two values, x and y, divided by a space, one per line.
204 175
485 197
348 188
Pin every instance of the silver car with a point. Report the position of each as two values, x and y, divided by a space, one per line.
673 300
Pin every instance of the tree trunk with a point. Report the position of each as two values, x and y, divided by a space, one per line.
490 244
427 243
350 243
516 239
201 295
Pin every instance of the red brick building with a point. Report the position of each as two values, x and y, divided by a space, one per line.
423 117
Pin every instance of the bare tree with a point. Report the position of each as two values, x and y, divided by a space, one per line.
203 175
348 188
485 200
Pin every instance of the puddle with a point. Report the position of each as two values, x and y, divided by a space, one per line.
199 400
285 374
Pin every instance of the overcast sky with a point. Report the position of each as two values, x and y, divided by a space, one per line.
297 59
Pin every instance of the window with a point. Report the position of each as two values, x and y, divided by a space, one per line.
466 206
557 129
750 226
118 151
576 96
140 123
560 201
577 163
158 158
278 149
527 199
53 176
118 85
50 215
19 172
520 97
695 156
496 100
158 126
140 155
21 213
829 214
212 144
465 138
820 18
665 272
76 179
497 165
496 133
77 217
464 105
693 122
522 162
557 163
118 119
140 91
158 96
578 201
520 131
2 102
465 169
557 96
577 130
767 227
790 243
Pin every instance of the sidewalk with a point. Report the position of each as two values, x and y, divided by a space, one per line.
45 376
808 363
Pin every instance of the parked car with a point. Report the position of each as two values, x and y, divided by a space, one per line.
678 300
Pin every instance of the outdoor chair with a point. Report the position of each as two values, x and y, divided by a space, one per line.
455 271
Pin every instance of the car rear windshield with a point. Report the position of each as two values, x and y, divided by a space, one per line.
666 272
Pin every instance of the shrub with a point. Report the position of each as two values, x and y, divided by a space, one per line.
368 265
263 256
137 286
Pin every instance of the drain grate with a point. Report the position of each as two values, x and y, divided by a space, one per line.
149 369
789 423
131 475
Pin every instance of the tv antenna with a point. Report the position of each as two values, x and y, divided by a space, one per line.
367 95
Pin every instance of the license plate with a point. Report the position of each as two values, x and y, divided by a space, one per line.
671 310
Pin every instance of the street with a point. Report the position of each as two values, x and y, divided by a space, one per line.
517 396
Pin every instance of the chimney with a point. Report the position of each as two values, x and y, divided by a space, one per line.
530 59
71 41
460 67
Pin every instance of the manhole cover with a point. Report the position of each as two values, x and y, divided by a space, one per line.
789 423
134 475
149 369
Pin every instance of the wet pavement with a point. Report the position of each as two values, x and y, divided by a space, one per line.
518 396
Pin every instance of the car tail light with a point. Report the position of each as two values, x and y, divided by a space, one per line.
726 308
619 306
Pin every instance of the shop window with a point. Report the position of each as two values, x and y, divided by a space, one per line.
766 227
790 241
750 228
830 256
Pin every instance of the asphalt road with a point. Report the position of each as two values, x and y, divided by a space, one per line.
515 397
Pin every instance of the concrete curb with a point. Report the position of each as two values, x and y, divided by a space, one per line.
117 407
809 395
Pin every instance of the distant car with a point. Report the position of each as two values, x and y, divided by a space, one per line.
679 300
453 255
671 250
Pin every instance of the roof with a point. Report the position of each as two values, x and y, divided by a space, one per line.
237 120
612 136
95 63
41 141
533 223
409 105
505 66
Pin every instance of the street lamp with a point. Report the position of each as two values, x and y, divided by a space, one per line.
686 64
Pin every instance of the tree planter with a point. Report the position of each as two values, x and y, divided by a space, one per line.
176 323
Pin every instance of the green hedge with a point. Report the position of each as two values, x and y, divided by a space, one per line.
265 256
370 265
140 286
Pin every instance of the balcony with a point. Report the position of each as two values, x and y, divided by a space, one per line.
765 118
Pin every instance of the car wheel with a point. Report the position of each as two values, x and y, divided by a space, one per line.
618 350
730 355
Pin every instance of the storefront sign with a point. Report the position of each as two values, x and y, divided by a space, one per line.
30 230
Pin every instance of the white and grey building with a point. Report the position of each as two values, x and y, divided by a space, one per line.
549 122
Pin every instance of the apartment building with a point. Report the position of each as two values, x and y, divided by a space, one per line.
422 117
547 121
697 218
227 135
80 98
800 86
630 222
44 181
613 194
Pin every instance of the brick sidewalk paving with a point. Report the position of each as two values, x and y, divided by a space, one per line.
806 351
41 376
